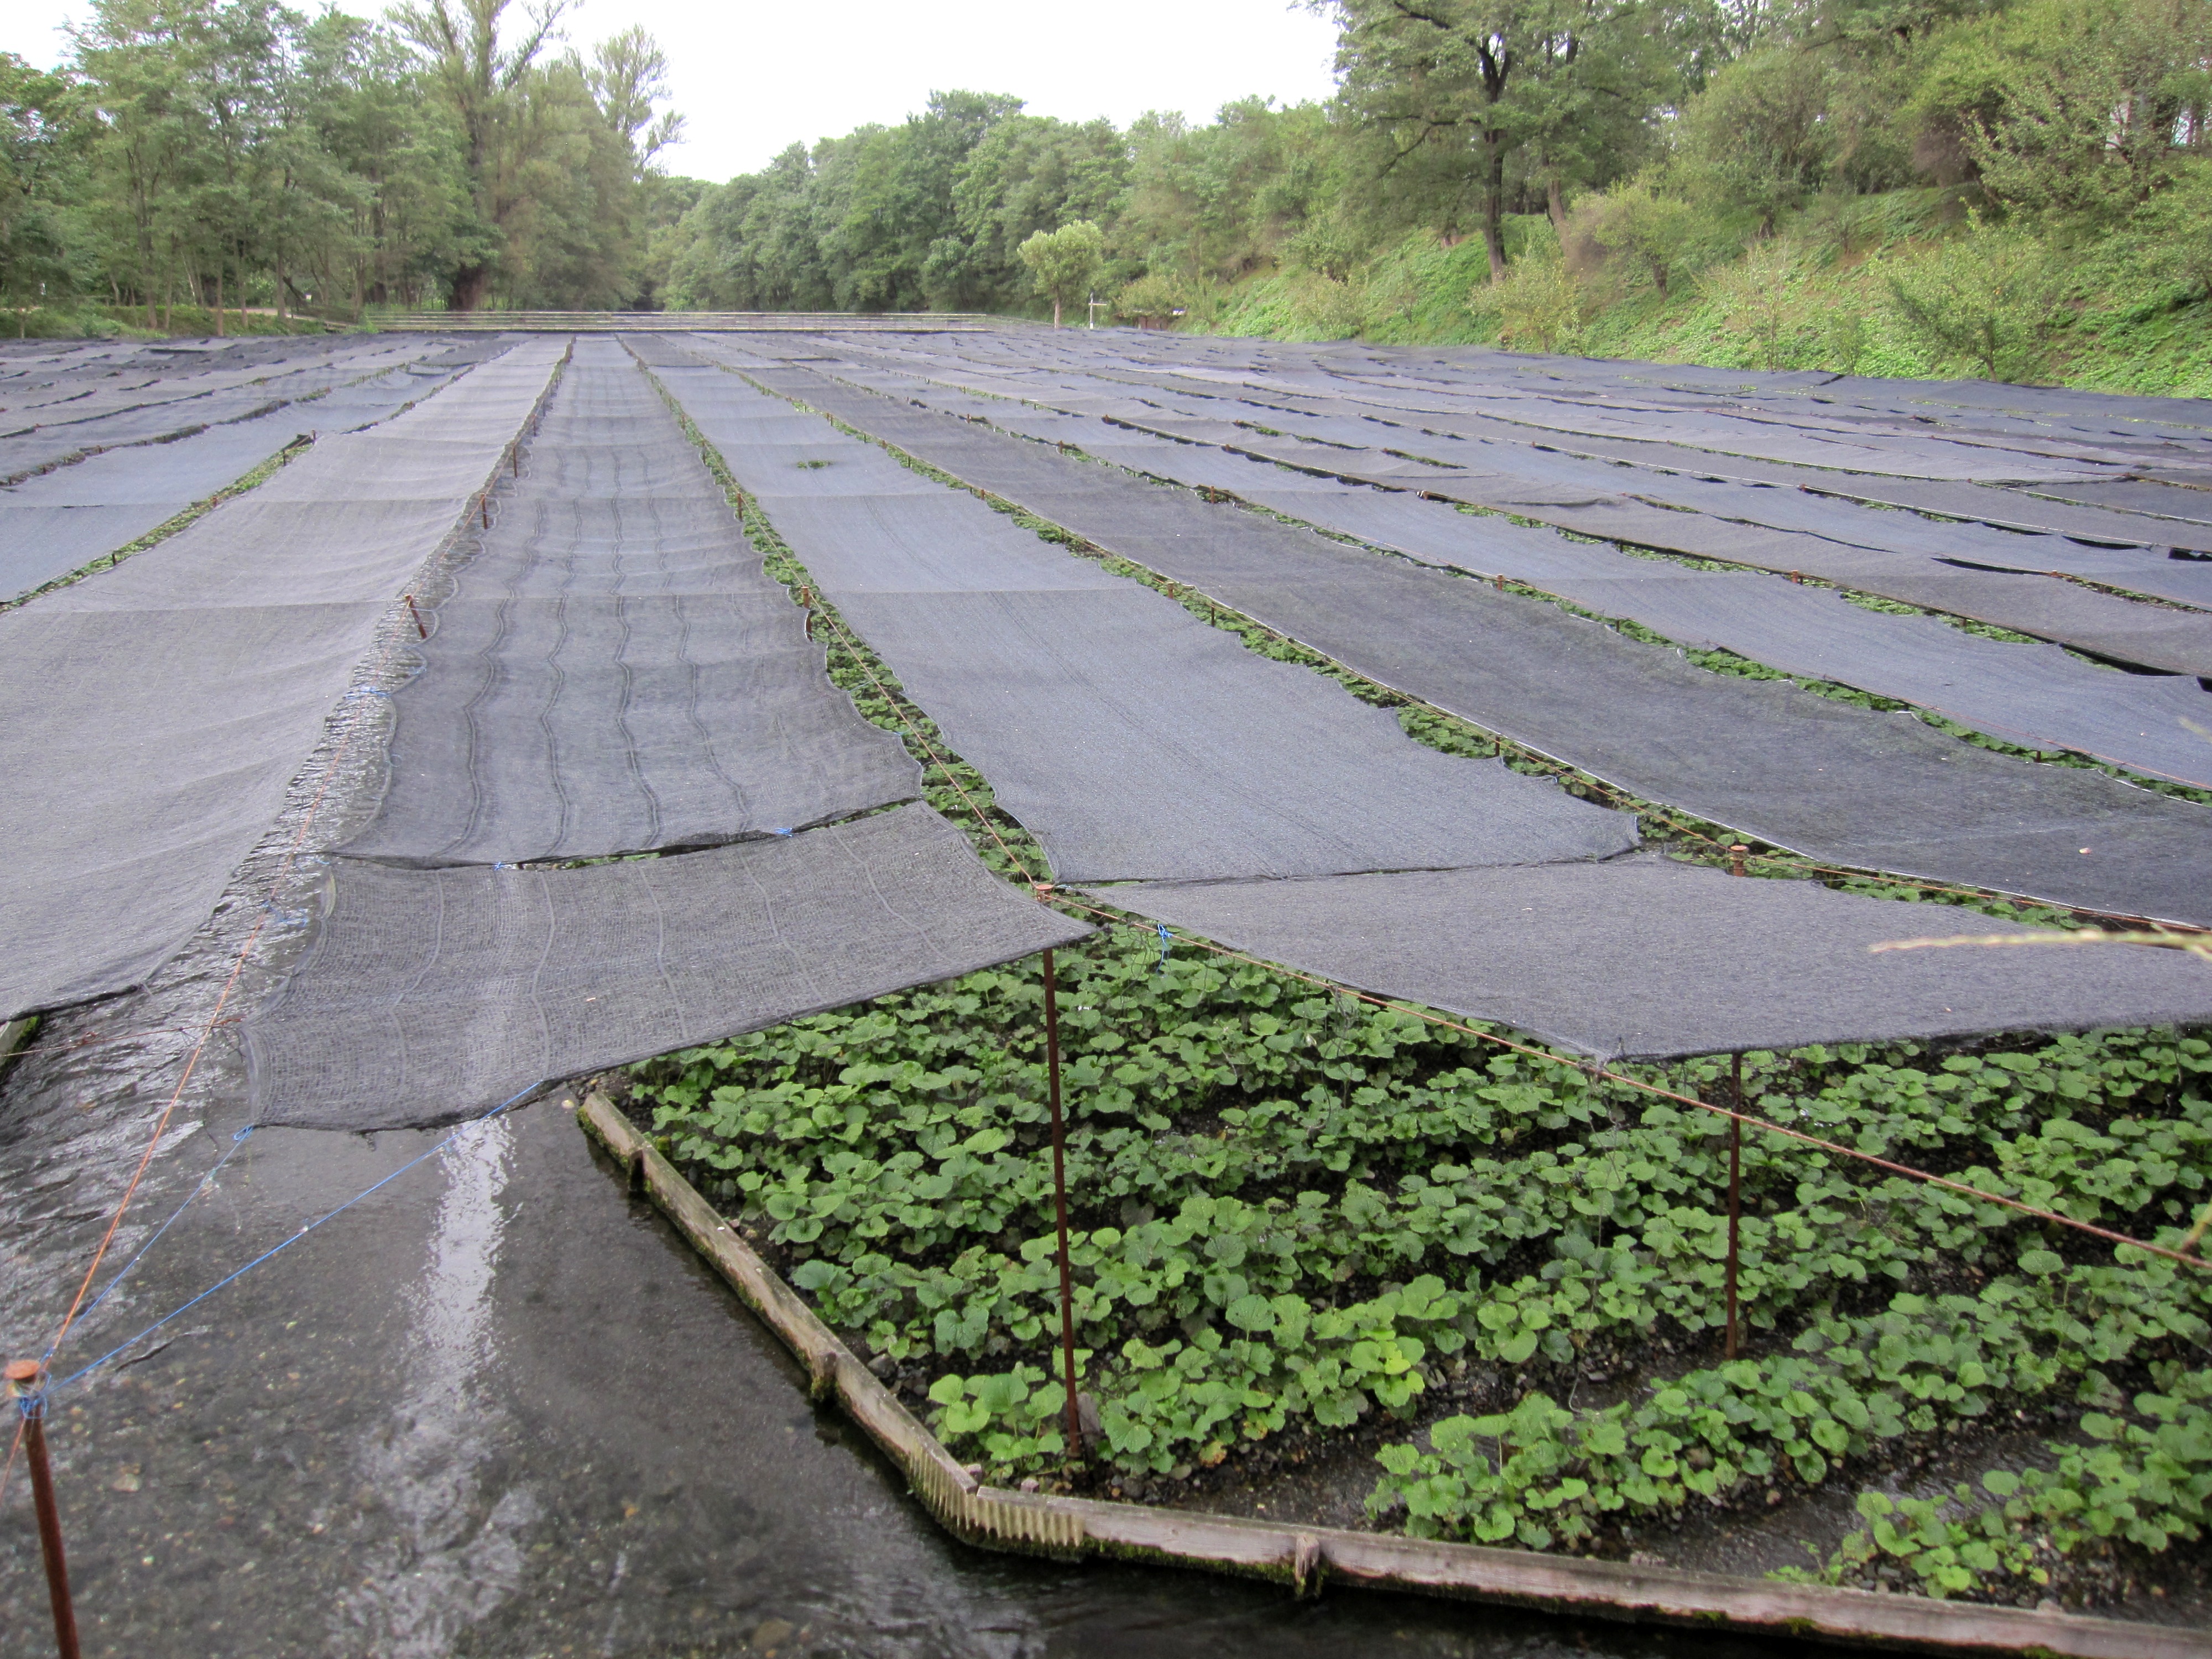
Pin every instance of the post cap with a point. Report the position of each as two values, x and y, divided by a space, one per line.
23 1371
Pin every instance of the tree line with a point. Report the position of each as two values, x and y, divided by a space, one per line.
1660 138
455 152
218 153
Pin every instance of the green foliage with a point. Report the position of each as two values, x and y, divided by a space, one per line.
1755 294
1291 1211
1063 264
2073 107
1153 296
1988 298
2140 1477
1758 142
43 136
1539 305
219 154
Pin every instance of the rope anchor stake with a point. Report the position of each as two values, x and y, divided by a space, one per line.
1060 1207
1736 1191
31 1405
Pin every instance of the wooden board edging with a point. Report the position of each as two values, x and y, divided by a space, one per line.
1303 1558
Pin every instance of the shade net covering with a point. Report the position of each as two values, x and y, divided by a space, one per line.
153 714
1880 791
1131 739
139 415
615 671
1945 565
430 995
1593 956
1645 424
59 522
2036 696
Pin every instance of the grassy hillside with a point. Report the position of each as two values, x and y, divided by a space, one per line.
1834 289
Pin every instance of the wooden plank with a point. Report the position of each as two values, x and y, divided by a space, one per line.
1306 1557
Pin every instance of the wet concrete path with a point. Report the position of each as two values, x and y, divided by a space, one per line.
499 1409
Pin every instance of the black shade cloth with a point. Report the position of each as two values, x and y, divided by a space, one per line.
1961 568
430 995
59 522
145 415
1131 739
2033 695
616 672
2191 504
1839 783
1632 425
2107 625
1595 957
152 715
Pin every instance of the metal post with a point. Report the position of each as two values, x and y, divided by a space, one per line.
31 1403
1736 1191
1060 1204
1737 853
417 615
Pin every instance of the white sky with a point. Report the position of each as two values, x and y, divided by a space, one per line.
751 79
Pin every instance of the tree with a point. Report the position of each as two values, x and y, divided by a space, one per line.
1458 88
1025 174
1064 263
43 133
1988 298
2078 108
409 217
482 81
1758 141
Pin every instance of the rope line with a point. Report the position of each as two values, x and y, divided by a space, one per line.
236 1141
476 1122
1607 1073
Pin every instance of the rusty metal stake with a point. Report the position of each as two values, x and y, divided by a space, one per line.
1736 1191
417 615
31 1403
484 508
1060 1205
1797 576
1737 853
1499 581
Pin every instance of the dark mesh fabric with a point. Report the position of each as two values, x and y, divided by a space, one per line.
616 672
154 714
1590 957
143 415
1840 783
1960 568
1649 433
2191 504
1131 739
430 995
2032 695
59 522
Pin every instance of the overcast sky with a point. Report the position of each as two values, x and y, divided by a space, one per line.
750 79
